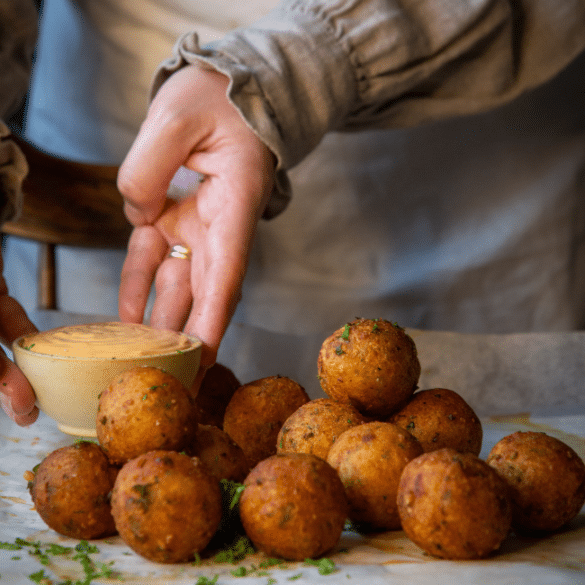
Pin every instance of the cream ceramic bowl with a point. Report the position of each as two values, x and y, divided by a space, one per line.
69 367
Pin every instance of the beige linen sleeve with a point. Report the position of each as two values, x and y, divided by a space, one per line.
13 170
313 66
18 30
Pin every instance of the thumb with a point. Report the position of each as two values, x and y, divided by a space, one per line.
16 394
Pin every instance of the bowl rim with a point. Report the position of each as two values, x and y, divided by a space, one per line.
17 347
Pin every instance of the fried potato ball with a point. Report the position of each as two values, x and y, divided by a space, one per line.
224 457
257 411
142 410
371 364
71 491
217 388
369 460
166 505
454 505
440 418
293 506
546 479
315 426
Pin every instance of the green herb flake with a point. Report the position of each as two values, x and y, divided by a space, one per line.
271 562
345 334
339 350
325 566
38 577
236 552
234 490
86 547
239 572
143 490
206 580
295 577
57 549
10 546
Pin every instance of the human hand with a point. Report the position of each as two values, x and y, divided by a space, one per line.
16 394
191 123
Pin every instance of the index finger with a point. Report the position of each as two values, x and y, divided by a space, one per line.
147 170
175 126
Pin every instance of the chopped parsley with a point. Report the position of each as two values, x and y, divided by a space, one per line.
80 553
345 334
10 546
239 572
232 490
325 566
239 549
143 491
206 580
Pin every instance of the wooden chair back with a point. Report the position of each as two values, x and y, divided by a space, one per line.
67 203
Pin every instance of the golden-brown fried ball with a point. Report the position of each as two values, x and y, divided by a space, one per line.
440 418
144 409
369 460
167 506
71 491
293 506
453 505
216 390
315 426
220 453
257 411
370 363
546 479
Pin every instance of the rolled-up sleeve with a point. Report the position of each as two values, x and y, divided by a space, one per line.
314 66
13 170
18 30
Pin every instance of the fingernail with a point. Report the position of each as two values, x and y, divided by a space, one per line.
6 404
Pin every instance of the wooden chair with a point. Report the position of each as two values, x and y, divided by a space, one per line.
67 203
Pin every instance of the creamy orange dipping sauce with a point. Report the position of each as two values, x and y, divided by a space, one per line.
107 340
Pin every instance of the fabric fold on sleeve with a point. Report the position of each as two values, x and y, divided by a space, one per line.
13 170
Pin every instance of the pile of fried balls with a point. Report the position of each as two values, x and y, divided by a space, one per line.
377 452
